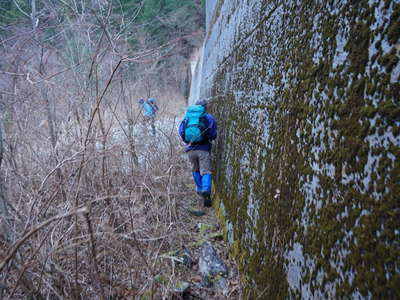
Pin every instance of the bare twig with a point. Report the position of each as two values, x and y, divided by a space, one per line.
94 254
19 243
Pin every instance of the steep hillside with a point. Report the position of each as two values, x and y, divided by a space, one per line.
306 94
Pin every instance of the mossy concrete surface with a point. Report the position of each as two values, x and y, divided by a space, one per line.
307 168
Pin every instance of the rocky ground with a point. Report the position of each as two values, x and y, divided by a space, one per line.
197 262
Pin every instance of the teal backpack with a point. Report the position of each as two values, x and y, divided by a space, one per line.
195 124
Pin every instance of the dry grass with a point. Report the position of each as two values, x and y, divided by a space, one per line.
130 215
93 200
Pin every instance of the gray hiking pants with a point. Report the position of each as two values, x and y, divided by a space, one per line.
150 120
200 161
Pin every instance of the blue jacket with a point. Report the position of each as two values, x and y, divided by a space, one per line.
148 110
211 134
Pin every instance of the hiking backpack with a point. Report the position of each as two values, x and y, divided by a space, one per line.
153 104
195 124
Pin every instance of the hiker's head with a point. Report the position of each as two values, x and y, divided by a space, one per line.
202 103
141 101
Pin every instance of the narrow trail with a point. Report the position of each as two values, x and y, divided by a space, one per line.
198 230
188 229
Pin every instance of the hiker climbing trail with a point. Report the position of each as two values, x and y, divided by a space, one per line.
193 262
117 183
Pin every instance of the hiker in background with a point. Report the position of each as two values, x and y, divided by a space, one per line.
197 130
150 109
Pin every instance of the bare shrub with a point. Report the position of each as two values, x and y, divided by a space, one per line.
130 216
90 200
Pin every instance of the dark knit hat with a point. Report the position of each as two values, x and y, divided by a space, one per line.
202 103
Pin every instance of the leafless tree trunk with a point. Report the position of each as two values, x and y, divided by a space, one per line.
131 122
3 206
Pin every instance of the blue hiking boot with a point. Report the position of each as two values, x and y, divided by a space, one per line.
197 181
206 182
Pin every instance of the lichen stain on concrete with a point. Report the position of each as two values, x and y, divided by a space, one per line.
306 94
